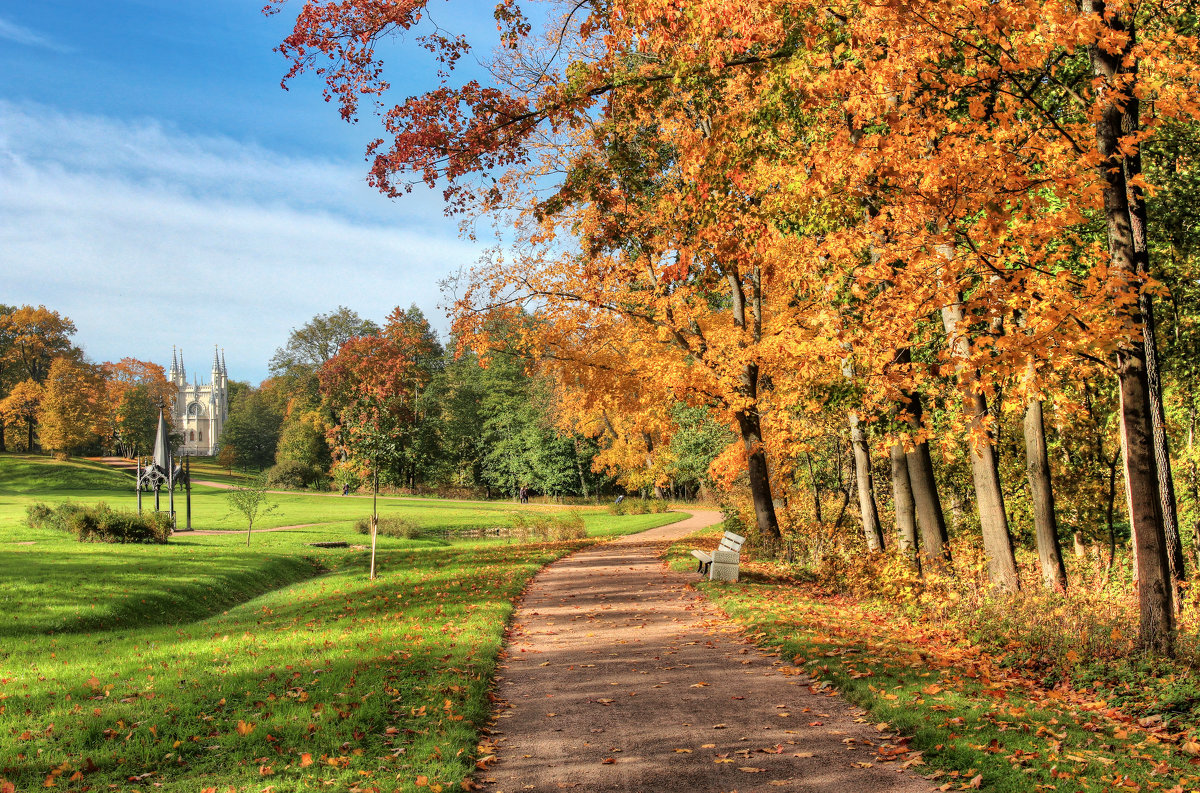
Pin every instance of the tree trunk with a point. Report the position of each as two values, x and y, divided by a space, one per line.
989 498
1162 450
866 486
760 482
3 448
29 428
1193 481
935 545
1157 617
816 490
1037 466
748 419
902 499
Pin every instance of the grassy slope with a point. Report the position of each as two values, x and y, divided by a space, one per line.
966 716
204 663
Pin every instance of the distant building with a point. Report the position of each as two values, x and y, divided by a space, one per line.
200 408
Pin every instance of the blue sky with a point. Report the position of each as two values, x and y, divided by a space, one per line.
159 187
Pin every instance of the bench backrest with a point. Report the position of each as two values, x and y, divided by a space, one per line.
731 542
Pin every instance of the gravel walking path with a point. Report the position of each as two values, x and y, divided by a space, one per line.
620 676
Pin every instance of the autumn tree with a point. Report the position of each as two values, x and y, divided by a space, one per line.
132 388
23 403
373 385
35 337
72 408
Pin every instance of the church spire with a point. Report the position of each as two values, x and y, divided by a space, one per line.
182 369
174 366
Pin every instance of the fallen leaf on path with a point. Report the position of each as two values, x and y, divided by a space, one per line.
749 769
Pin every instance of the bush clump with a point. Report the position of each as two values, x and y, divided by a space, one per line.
639 506
100 523
295 475
541 527
400 528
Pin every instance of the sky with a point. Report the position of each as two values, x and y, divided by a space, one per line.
160 188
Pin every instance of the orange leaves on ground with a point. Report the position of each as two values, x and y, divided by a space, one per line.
244 727
306 760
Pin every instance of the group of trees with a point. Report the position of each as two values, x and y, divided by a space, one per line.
349 399
925 230
52 397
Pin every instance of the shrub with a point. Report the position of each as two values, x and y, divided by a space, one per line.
619 507
400 528
101 523
539 526
44 516
659 506
638 506
39 515
295 475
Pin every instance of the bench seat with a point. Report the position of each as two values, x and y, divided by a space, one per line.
721 564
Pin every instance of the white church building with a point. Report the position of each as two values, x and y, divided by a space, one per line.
200 408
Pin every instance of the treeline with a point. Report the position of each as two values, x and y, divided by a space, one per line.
52 398
916 243
349 399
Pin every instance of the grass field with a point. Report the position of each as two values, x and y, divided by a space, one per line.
203 664
25 479
964 720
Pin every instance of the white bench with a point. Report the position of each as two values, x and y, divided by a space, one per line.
722 564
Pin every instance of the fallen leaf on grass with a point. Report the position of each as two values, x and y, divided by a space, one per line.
244 728
306 760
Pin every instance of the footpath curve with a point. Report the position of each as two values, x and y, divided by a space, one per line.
618 675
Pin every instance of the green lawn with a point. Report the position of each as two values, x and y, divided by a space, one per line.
962 719
206 664
21 478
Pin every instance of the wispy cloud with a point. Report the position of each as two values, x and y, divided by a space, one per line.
147 237
19 34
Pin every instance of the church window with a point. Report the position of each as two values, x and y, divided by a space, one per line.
200 435
192 435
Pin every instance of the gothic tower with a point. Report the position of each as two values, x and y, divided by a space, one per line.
200 409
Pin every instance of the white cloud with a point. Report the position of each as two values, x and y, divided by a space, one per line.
11 31
147 237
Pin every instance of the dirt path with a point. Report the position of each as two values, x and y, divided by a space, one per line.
619 676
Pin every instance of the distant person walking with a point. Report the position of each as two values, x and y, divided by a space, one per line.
346 489
524 494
